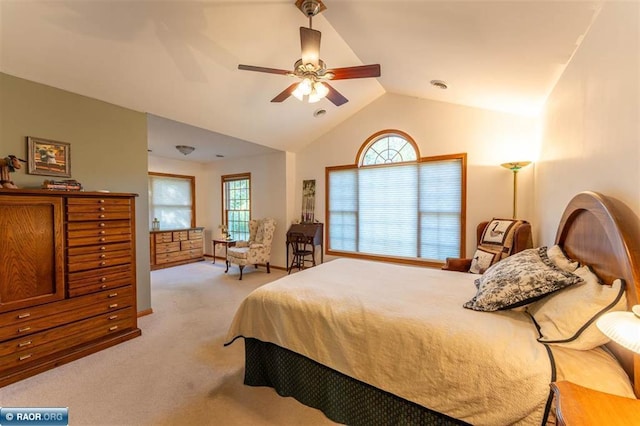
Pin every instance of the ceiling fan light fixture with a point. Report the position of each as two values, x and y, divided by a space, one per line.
319 91
185 149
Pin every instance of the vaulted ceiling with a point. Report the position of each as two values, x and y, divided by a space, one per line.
178 59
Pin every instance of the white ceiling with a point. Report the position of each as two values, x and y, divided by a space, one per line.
178 59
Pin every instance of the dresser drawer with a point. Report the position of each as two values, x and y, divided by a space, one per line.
25 322
98 216
99 255
195 234
180 235
122 258
191 244
99 248
94 280
171 257
167 247
194 254
80 201
18 352
82 233
75 226
164 237
103 239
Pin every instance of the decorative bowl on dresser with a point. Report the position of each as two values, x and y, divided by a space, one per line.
67 277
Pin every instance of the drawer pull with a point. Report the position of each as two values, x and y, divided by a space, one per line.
113 294
103 286
23 329
103 248
115 327
23 344
101 225
112 317
113 305
101 216
101 209
103 239
103 263
102 256
103 232
101 201
23 357
22 316
103 279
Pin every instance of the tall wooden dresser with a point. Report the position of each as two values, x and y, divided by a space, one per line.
176 247
67 277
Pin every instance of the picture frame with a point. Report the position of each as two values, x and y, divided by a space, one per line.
48 157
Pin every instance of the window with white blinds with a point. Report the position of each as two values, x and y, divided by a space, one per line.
410 210
236 204
171 200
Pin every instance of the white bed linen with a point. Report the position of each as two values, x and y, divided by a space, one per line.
403 329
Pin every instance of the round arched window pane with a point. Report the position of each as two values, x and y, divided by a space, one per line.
389 149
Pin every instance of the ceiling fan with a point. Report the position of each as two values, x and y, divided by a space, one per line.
310 69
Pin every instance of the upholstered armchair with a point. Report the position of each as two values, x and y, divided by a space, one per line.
256 251
496 239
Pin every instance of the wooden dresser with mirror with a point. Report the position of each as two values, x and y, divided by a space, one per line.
67 277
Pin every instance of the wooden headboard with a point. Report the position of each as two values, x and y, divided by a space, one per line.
604 233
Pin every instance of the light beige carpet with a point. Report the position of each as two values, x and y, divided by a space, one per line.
177 372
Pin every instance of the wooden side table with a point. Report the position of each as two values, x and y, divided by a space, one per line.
580 406
226 243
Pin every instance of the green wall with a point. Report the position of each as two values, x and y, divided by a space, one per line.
108 148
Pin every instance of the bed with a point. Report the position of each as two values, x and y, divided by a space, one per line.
377 343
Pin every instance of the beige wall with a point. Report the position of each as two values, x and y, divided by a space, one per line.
489 138
268 195
592 120
108 148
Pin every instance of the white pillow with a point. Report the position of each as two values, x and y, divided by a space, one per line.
568 317
558 257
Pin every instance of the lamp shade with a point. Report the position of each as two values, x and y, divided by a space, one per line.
622 327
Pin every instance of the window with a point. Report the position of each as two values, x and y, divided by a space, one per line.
395 204
171 200
236 204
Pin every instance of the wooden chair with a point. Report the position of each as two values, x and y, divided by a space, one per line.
302 249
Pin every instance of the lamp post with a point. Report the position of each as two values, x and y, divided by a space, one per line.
515 167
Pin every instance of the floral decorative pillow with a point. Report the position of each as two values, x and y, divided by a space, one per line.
519 280
568 317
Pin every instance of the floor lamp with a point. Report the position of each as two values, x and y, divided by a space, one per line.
515 167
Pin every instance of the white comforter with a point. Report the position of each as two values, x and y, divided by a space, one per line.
404 330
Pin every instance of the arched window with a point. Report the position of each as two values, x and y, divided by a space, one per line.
389 148
394 205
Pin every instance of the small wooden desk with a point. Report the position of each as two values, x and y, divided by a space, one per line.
314 232
226 243
580 406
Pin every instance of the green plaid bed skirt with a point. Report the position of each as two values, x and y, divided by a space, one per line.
341 398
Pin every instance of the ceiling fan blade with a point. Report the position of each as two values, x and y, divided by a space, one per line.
335 96
285 93
363 71
310 42
263 69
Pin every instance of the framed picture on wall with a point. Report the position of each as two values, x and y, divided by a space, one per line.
49 158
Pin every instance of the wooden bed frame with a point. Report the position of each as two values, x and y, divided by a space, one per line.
604 233
594 229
